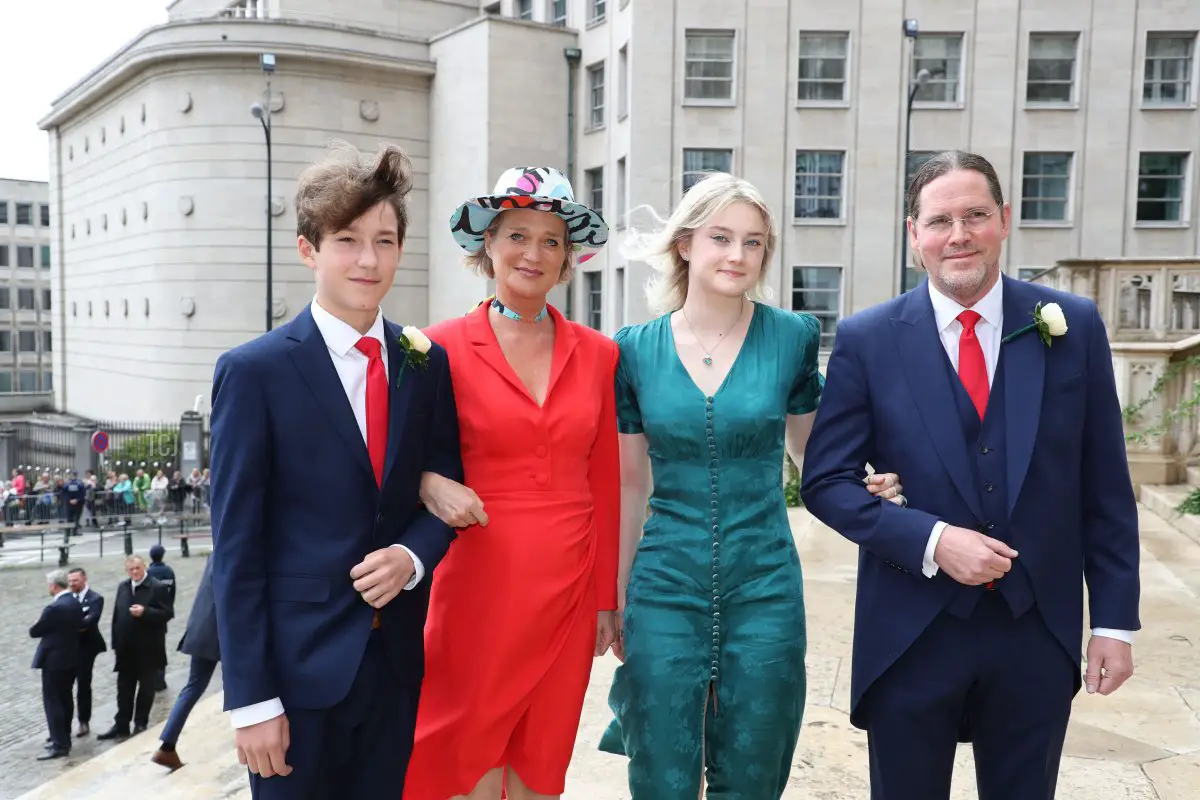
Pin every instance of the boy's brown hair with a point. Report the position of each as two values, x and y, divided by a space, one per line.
344 185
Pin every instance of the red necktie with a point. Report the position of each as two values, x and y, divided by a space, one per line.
972 369
377 404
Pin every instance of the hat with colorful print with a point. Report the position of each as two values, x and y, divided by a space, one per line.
537 189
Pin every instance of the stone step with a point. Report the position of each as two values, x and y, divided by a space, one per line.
1163 500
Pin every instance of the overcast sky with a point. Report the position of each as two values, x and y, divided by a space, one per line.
47 48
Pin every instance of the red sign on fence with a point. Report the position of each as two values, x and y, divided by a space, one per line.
99 441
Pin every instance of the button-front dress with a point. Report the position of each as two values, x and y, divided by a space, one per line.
714 615
511 633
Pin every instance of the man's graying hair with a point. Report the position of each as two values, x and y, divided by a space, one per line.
58 578
949 161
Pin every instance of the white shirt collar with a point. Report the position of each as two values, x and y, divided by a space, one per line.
340 337
990 307
134 584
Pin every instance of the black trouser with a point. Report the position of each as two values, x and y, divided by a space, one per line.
136 679
56 700
83 688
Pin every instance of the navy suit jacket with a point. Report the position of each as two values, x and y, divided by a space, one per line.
91 640
295 506
57 632
200 638
889 402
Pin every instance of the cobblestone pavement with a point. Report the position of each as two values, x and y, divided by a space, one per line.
22 721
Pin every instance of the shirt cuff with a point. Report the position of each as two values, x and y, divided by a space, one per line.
1113 633
928 567
259 712
418 568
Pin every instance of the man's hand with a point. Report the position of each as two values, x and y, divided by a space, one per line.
454 504
137 610
382 575
972 558
262 748
1109 664
606 632
887 486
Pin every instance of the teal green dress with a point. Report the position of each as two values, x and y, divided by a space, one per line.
713 676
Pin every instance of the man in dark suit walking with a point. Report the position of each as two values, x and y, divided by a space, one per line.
139 641
162 573
91 644
200 642
57 656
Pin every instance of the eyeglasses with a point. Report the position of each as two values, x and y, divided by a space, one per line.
973 221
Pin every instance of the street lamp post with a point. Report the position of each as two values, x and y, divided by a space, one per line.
911 32
262 113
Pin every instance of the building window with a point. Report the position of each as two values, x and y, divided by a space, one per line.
5 341
27 341
1051 74
823 58
5 300
45 299
819 184
1046 189
942 56
708 71
1169 68
594 181
47 381
25 257
24 213
1029 273
6 383
595 299
4 255
45 210
916 159
597 10
818 290
558 13
623 82
25 300
596 94
27 381
1162 179
698 163
46 342
45 256
3 212
620 298
622 188
524 9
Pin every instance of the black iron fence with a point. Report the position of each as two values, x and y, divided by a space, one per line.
147 446
43 447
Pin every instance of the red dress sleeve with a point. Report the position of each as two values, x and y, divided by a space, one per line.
604 476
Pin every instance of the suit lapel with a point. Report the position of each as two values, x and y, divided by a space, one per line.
399 397
311 357
1024 363
483 342
920 347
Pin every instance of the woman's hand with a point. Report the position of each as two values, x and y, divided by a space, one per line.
454 504
887 486
606 632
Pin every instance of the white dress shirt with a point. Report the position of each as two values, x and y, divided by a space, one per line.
989 331
351 365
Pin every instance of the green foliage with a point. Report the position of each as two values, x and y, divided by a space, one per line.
149 447
791 486
1190 504
1188 405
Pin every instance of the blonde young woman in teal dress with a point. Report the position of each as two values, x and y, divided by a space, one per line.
713 636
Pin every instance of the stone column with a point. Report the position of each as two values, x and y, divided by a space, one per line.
86 456
191 442
8 447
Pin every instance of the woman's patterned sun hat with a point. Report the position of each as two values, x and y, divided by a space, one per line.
538 189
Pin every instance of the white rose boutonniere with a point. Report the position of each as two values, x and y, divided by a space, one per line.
1048 320
415 345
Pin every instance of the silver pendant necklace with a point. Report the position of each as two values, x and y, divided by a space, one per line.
708 360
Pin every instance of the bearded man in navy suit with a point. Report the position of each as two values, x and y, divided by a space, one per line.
995 399
322 552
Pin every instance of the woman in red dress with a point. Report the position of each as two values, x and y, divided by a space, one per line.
521 605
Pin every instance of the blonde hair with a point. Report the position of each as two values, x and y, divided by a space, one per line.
668 287
481 264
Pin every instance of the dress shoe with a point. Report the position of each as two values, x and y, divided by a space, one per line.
167 758
52 754
114 733
138 729
83 730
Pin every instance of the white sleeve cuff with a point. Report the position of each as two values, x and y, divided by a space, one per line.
259 712
1113 633
928 567
418 568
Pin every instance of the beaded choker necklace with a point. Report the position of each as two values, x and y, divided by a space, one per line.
508 312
